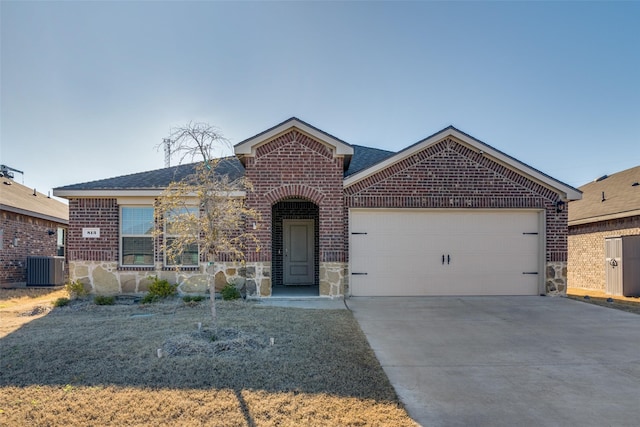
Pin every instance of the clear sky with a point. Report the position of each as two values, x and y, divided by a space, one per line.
88 89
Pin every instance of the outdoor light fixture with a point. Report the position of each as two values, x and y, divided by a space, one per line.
51 232
560 205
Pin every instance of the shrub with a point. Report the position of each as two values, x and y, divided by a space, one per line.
230 292
189 298
104 300
61 302
162 288
159 289
75 289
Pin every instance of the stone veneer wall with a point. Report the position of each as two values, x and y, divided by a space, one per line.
449 175
333 278
586 266
556 277
104 278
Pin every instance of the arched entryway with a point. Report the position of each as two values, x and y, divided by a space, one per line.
295 248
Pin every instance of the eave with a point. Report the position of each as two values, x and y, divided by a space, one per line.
25 212
104 194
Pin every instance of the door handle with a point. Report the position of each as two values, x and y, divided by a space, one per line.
448 259
442 259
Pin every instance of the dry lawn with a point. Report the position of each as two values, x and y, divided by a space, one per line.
98 365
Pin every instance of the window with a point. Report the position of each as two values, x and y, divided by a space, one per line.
136 239
189 256
61 241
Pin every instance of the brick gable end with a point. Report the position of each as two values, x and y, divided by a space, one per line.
451 175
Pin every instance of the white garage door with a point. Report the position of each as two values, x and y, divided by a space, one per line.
407 252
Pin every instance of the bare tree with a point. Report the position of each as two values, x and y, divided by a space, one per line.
204 215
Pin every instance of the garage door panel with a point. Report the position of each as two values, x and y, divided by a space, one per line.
486 252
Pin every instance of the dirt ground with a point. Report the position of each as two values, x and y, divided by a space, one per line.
21 306
589 296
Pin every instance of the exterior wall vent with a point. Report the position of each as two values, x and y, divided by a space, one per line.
45 271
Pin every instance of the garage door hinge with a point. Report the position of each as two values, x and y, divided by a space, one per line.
356 232
529 272
358 274
535 234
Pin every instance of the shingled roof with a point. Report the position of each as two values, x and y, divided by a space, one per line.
17 198
156 179
364 157
159 179
608 197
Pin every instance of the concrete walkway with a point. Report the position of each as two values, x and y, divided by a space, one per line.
318 303
507 361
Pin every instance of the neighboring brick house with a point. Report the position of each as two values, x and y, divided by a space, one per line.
449 215
610 208
31 224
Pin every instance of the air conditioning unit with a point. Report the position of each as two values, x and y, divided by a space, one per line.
45 271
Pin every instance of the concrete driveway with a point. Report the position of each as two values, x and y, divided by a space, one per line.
507 361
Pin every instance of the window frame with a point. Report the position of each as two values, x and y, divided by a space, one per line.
61 241
166 236
150 235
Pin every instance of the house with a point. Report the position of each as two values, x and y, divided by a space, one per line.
448 215
608 211
31 224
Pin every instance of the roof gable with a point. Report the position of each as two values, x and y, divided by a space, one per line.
611 197
567 192
248 146
15 197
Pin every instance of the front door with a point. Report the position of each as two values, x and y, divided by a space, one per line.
298 251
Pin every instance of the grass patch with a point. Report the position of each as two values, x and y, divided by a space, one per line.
193 298
104 300
99 365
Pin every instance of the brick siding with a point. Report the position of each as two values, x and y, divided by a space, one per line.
33 240
294 165
586 266
89 213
